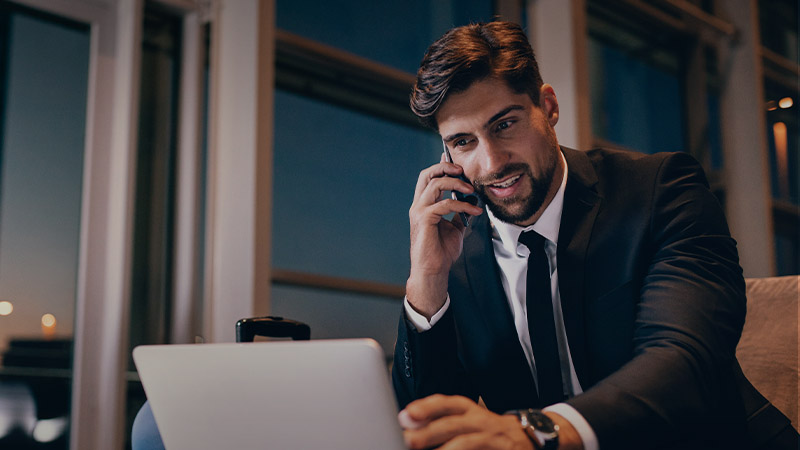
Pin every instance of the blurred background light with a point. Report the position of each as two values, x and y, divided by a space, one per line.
48 430
49 320
48 325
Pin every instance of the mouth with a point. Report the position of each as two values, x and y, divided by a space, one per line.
508 182
506 187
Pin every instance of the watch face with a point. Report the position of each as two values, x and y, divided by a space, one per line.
539 428
541 422
542 429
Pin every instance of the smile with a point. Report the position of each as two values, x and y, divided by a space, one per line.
507 183
507 188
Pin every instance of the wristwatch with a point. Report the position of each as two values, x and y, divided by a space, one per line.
539 428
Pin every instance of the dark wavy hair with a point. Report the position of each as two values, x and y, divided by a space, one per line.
471 53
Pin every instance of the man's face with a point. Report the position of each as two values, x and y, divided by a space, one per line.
506 145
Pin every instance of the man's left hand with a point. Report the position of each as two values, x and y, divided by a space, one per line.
455 422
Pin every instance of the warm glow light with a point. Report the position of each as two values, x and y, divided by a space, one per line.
6 308
48 321
772 105
780 134
786 102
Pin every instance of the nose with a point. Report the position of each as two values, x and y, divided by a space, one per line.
493 156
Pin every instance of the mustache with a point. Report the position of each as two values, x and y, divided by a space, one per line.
480 183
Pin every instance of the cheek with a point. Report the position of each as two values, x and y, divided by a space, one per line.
545 148
471 167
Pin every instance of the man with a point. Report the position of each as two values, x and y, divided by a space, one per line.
602 286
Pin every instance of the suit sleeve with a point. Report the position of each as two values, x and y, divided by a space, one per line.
688 320
427 362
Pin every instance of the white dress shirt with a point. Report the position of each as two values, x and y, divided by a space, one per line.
512 258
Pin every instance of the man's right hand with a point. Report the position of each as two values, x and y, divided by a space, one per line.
435 241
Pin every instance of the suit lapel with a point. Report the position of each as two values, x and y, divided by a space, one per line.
504 358
484 279
581 204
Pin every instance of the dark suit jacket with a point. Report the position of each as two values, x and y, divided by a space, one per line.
653 300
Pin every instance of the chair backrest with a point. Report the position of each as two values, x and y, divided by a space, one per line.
768 349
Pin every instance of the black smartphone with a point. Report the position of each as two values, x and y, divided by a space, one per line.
455 195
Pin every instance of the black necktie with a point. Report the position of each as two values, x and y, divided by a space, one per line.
541 325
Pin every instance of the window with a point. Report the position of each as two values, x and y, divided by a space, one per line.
636 98
42 150
641 82
342 188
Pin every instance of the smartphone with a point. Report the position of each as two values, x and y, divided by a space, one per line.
455 195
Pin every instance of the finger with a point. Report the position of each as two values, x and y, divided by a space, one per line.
443 170
437 187
442 430
433 214
436 171
449 205
435 406
407 423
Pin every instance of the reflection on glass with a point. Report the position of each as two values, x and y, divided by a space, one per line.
43 108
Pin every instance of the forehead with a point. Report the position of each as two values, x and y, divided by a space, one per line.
477 104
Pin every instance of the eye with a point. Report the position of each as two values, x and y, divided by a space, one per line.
504 125
460 143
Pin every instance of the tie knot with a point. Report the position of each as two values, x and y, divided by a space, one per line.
532 240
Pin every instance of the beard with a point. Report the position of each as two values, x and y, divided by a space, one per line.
518 209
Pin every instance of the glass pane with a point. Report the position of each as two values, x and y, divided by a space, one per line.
392 33
44 109
635 104
337 315
343 184
779 20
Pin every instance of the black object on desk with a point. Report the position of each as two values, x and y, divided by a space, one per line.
271 326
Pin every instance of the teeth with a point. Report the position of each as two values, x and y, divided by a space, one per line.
507 183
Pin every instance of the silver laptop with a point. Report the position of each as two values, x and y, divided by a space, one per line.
324 394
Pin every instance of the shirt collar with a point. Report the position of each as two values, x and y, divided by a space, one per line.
548 224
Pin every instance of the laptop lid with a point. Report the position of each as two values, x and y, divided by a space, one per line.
323 394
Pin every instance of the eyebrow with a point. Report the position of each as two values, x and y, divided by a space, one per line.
488 122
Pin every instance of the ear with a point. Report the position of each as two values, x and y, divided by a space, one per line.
549 103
